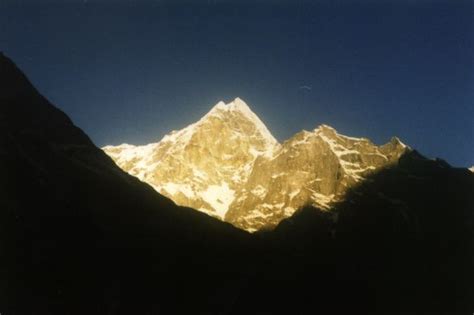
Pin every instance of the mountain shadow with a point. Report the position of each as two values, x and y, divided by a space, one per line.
401 242
80 236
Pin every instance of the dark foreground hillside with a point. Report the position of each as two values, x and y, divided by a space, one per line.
80 236
401 243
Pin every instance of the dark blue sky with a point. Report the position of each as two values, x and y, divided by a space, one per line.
131 71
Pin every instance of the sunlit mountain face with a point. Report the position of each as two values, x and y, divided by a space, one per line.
235 213
392 230
229 165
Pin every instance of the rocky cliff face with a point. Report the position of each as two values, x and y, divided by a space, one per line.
228 165
80 236
204 165
312 168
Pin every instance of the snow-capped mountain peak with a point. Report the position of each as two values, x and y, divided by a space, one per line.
203 164
228 165
312 167
239 107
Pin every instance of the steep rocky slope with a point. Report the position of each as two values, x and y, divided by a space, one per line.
228 165
205 164
403 240
80 236
312 168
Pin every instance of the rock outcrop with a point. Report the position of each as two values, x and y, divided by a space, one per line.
228 165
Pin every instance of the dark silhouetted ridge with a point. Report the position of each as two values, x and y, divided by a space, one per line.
401 241
80 236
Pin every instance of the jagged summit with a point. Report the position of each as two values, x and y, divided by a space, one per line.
328 130
229 165
237 104
204 164
314 168
239 107
78 234
236 113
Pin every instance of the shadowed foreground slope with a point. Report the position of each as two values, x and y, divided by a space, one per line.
402 241
80 236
